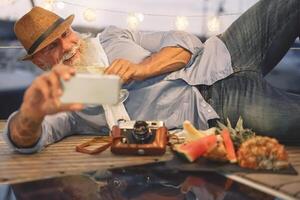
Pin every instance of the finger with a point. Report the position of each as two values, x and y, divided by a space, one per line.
65 72
70 107
127 77
55 84
124 69
42 86
111 68
62 67
108 69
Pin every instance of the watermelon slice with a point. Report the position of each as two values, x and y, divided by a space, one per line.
194 149
231 156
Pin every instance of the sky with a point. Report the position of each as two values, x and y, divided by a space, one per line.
195 16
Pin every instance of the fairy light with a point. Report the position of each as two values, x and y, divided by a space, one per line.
60 5
49 1
181 23
89 15
134 19
48 6
5 2
214 24
140 16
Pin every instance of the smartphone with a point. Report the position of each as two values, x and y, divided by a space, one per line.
91 89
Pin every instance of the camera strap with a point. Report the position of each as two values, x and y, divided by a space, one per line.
99 145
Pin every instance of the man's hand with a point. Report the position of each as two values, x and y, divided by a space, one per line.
126 70
168 59
40 99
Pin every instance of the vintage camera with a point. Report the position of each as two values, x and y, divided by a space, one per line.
139 137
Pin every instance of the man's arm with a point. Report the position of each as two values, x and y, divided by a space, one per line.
168 59
40 99
24 131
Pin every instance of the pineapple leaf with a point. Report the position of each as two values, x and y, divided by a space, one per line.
228 123
222 126
239 124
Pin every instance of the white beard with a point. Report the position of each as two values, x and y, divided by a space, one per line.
92 58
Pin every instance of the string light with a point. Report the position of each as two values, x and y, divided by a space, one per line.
4 2
60 5
181 23
145 14
140 16
89 15
49 1
48 6
134 19
214 24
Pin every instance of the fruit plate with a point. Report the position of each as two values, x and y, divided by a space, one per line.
203 164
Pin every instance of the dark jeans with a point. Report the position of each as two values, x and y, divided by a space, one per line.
257 41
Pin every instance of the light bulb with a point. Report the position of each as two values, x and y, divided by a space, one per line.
4 2
49 1
48 6
89 15
133 21
213 24
181 23
140 16
60 5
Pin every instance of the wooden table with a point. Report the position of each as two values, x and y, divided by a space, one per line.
61 159
283 186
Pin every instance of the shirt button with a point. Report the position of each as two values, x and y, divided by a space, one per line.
209 110
203 104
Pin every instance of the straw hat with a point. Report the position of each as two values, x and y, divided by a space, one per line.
38 28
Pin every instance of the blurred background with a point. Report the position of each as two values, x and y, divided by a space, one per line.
201 17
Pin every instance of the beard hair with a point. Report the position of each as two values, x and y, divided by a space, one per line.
81 61
86 63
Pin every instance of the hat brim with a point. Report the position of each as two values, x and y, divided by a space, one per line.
52 37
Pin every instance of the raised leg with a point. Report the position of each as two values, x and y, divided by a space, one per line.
260 37
265 109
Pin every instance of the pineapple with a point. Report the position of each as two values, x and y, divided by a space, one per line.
238 134
256 152
262 153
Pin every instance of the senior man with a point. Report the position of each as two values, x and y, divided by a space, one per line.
171 76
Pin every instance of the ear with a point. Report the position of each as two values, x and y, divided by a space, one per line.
37 60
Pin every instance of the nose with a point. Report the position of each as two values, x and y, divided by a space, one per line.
65 44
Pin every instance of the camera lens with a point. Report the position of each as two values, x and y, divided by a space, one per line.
141 132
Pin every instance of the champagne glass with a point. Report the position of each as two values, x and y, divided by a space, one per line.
124 94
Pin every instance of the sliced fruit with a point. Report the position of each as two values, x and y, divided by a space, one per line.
193 134
194 149
231 156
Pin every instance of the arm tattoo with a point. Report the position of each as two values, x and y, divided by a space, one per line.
24 131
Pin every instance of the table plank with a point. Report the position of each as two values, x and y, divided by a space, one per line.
2 124
61 159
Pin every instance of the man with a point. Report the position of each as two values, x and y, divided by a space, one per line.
171 76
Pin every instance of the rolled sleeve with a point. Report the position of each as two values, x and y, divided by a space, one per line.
211 65
155 41
54 128
152 41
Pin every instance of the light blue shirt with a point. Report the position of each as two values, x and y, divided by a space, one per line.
171 98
